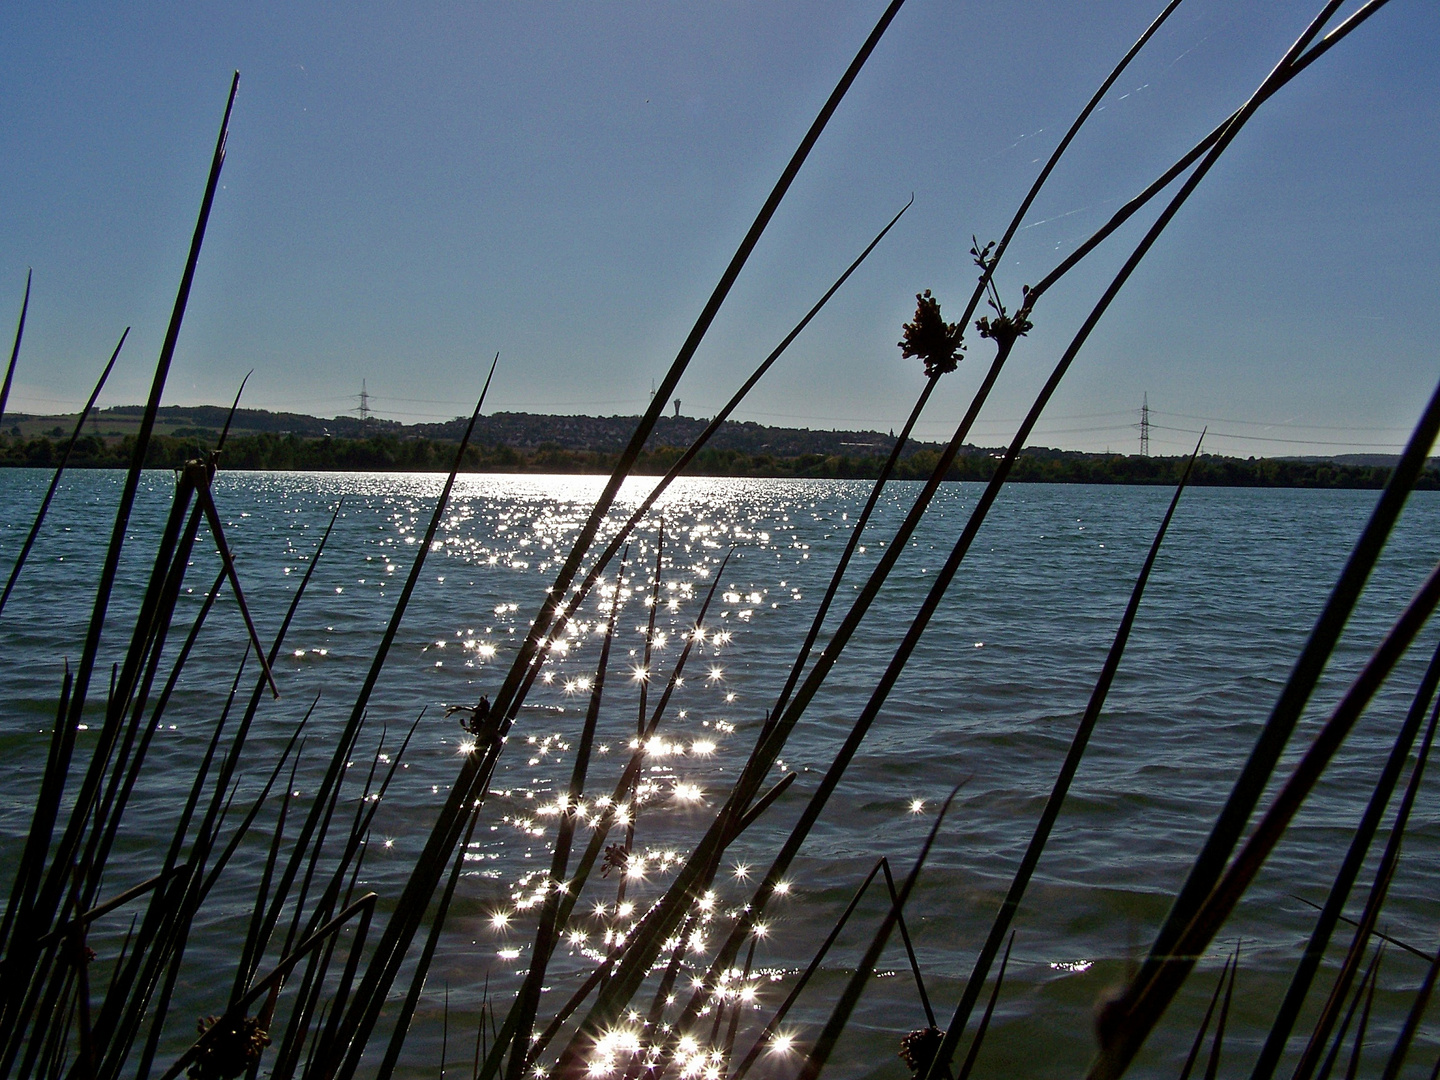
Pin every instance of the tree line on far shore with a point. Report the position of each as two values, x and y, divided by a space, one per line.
385 453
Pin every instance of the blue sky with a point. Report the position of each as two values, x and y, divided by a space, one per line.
411 188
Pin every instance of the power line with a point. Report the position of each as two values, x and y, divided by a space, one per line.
1269 438
1282 423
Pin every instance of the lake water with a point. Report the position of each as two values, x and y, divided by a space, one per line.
989 701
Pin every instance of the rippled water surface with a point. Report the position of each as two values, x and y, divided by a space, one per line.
989 702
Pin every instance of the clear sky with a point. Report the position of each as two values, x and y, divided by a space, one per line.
411 188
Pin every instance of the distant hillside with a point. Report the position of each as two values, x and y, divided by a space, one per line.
522 442
521 431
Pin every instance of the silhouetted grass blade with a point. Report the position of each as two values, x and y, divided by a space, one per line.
1204 1029
59 472
834 1027
765 1039
969 1064
1371 972
1061 788
1330 913
15 349
1212 1068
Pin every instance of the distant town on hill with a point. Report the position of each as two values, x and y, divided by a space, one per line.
529 442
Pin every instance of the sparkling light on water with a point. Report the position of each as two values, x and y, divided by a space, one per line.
993 694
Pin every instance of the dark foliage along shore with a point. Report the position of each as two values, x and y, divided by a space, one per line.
391 453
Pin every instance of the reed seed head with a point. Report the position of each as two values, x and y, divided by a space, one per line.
931 338
919 1047
232 1051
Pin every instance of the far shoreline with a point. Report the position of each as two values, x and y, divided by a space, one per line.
388 453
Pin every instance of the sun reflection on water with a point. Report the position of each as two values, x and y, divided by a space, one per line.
496 553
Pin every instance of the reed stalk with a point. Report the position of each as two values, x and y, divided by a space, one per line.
1371 973
1379 890
401 927
15 348
60 468
946 574
700 442
840 1016
111 806
968 1065
1204 1028
1359 847
1378 934
363 907
84 670
986 277
1204 146
248 820
767 1034
802 657
694 876
555 596
623 786
1408 1029
1286 713
1145 1008
1212 1068
840 638
227 768
1353 1069
427 955
547 928
1081 740
909 947
384 965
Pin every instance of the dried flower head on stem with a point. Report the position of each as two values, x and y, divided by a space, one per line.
931 338
1002 327
232 1052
